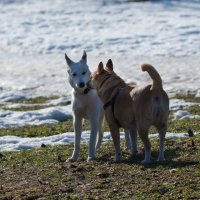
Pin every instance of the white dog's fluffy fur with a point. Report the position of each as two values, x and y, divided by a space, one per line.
85 105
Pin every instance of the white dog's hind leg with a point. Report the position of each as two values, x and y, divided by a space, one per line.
77 129
93 136
100 131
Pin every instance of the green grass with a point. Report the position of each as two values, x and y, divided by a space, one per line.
38 131
44 174
35 100
188 97
194 110
27 108
179 126
31 104
32 107
176 126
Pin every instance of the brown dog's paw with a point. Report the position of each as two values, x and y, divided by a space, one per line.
146 162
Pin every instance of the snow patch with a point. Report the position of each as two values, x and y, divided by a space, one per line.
33 64
14 143
176 104
181 114
36 117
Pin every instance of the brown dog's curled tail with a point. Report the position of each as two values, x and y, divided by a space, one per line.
157 81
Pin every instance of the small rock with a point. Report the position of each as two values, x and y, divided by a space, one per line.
181 114
190 143
81 176
43 145
78 169
103 175
73 166
115 190
190 132
60 158
172 171
142 168
42 182
1 155
164 190
70 190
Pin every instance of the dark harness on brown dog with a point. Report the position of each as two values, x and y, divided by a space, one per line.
111 102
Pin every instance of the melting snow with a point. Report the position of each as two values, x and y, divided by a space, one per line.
13 143
36 117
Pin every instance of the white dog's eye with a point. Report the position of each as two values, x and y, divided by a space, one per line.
83 73
74 74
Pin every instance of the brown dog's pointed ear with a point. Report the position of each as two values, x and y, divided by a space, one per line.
68 60
84 57
109 65
100 68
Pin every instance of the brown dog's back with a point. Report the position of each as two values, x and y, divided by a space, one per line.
150 103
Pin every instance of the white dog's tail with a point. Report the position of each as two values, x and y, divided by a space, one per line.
157 81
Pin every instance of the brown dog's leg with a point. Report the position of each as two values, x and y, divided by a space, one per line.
100 131
127 139
116 139
133 136
147 146
162 133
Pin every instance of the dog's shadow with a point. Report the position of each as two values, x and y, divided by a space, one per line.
171 161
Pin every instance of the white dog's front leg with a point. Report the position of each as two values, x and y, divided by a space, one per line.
93 135
77 129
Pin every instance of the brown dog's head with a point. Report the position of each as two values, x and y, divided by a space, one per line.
101 73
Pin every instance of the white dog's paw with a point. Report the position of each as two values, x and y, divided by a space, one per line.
91 158
98 146
71 159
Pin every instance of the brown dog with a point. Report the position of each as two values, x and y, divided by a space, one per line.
133 107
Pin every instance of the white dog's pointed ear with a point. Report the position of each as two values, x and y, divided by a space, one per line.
84 57
68 60
109 65
100 68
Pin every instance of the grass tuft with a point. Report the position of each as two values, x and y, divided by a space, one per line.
188 97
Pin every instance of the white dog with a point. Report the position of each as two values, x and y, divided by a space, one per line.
85 105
